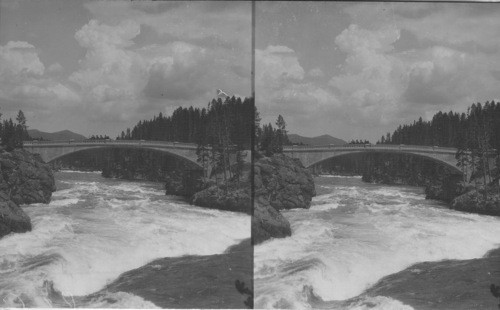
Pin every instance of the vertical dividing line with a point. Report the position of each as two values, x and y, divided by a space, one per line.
252 146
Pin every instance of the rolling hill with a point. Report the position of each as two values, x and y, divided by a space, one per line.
55 136
319 140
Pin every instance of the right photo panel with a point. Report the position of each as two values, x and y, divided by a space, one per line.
376 155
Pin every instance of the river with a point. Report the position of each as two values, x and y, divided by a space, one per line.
96 229
358 236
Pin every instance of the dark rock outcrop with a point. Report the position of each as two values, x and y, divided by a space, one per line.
185 183
284 182
231 195
267 223
478 201
12 217
280 182
233 199
24 179
444 189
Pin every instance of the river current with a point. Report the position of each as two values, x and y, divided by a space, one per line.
355 234
95 229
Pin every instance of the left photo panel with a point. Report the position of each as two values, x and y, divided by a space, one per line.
126 134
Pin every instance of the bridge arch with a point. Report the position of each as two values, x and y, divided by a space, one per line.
312 155
453 168
191 162
50 151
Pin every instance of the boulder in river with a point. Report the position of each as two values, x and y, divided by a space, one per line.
24 179
478 201
284 182
230 199
280 182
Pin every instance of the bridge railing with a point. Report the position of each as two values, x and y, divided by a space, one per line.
35 143
401 147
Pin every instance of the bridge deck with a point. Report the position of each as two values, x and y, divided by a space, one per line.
144 143
353 147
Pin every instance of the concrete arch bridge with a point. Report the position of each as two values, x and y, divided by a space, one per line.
52 150
312 155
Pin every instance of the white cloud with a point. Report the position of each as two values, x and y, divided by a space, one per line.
372 78
282 87
118 75
277 65
55 68
18 57
23 80
316 73
95 35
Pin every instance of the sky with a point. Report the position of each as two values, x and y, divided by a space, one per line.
98 67
358 70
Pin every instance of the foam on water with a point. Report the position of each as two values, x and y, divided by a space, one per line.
378 303
95 230
340 176
356 235
120 300
76 171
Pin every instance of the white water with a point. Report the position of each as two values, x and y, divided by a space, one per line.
355 234
95 229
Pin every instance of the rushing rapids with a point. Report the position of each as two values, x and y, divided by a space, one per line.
95 229
354 235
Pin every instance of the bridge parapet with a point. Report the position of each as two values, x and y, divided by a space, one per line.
166 144
312 155
402 147
50 150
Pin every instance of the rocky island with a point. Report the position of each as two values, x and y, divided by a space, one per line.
280 182
24 179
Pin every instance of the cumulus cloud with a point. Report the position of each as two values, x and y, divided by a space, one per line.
96 35
116 74
227 23
18 57
372 78
390 64
109 71
282 87
316 73
55 68
432 81
277 65
180 76
23 80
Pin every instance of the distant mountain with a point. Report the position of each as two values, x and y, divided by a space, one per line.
320 140
54 136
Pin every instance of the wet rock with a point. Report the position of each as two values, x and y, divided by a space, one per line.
267 223
444 189
24 179
230 199
478 201
13 218
185 183
284 182
280 182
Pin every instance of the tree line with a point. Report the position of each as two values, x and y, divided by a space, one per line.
476 135
270 140
99 137
222 132
14 133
